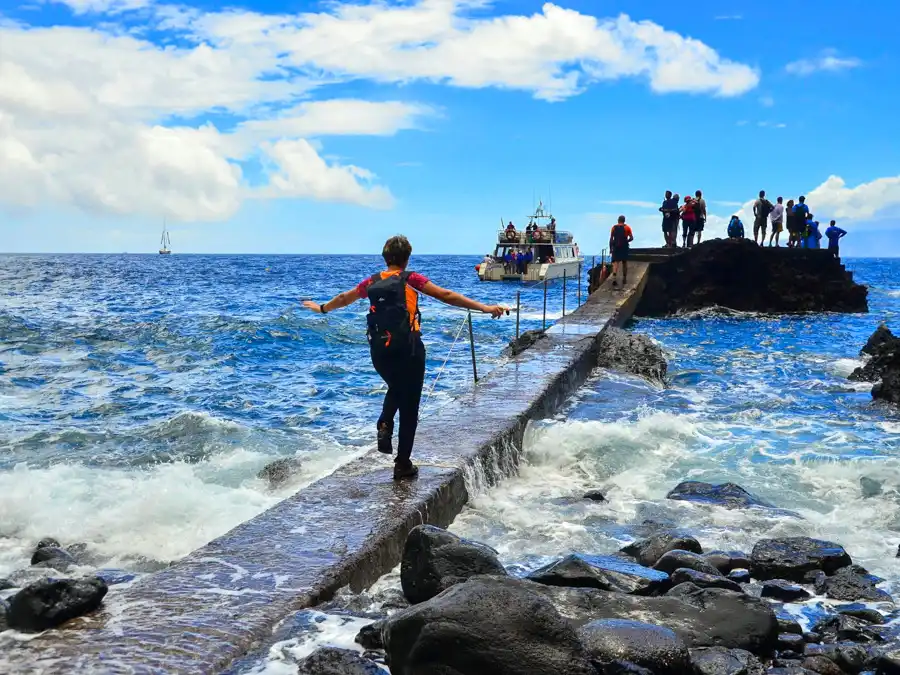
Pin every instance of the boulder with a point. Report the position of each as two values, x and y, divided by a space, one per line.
674 560
867 614
607 573
595 496
714 273
788 625
496 625
632 353
849 657
334 661
700 580
791 642
723 661
727 495
870 487
843 628
4 608
50 602
792 557
52 556
726 561
653 647
434 560
881 337
821 665
884 365
525 340
741 576
648 551
369 637
280 471
785 591
702 617
854 583
6 584
48 542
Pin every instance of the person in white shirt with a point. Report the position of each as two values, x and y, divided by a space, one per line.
777 221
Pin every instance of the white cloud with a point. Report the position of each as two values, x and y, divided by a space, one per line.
105 120
827 61
835 200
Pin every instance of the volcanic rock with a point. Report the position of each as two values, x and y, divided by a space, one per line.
841 628
854 583
727 495
784 591
525 340
369 637
632 353
607 573
334 661
791 642
47 554
6 584
792 557
726 561
884 365
495 625
674 560
434 560
722 661
700 580
594 496
50 602
742 576
280 471
714 273
654 647
648 551
860 611
4 608
821 665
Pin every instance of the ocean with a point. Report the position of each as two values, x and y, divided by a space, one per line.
140 396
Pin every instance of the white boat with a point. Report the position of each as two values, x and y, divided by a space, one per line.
164 242
554 252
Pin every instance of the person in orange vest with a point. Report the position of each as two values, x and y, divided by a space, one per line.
395 341
620 237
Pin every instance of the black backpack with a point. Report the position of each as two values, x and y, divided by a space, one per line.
389 326
619 236
765 208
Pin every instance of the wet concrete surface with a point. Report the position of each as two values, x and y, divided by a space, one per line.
224 599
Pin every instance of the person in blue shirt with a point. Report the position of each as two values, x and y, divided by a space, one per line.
813 236
834 234
529 257
735 228
669 210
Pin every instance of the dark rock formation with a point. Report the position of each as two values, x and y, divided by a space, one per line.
674 560
843 628
792 642
50 602
849 657
594 496
821 665
6 584
884 365
701 580
648 551
861 612
728 495
494 625
658 649
854 583
48 542
434 560
523 342
369 637
715 273
788 625
726 561
702 617
722 661
740 575
280 471
792 557
870 487
633 353
4 608
607 573
334 661
784 591
52 557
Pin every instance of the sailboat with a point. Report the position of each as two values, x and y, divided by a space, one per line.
165 242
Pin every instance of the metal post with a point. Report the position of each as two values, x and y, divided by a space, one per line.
579 284
472 347
544 327
518 307
564 293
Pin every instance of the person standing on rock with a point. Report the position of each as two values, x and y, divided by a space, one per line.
395 341
669 209
835 234
700 208
790 217
688 220
762 207
777 222
620 238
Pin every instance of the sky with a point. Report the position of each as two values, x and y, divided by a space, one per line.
326 127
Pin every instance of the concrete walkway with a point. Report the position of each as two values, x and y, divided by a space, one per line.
224 599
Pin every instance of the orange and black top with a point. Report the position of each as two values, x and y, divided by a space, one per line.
414 282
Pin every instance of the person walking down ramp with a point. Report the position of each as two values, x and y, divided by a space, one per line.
620 238
835 234
395 342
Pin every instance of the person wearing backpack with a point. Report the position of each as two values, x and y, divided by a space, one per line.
762 207
620 236
735 228
393 327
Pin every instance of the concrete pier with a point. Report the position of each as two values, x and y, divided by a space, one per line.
224 599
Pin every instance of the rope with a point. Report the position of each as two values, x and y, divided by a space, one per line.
462 325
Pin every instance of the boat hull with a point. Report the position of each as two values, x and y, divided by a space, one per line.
165 252
536 272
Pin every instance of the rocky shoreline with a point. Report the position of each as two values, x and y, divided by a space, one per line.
883 365
661 605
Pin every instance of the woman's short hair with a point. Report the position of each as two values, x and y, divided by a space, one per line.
396 251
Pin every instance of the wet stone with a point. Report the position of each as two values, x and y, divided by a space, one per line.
674 560
821 665
369 637
841 628
788 625
114 577
654 647
52 555
850 658
334 661
6 584
648 551
727 495
867 614
280 471
50 602
622 668
595 496
48 542
701 580
726 561
779 589
870 487
723 661
792 557
4 608
792 642
607 573
854 583
742 576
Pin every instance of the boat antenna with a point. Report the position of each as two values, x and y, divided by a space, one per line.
549 199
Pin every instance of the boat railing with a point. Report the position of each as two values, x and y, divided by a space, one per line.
538 236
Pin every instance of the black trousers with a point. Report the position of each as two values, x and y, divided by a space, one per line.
404 376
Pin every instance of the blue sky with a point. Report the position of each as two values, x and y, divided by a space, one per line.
325 127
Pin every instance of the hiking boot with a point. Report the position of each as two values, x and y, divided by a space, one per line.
404 470
385 432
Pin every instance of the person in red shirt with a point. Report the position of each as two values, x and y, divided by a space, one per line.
688 221
395 341
620 238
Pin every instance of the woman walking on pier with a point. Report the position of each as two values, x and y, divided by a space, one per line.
395 341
